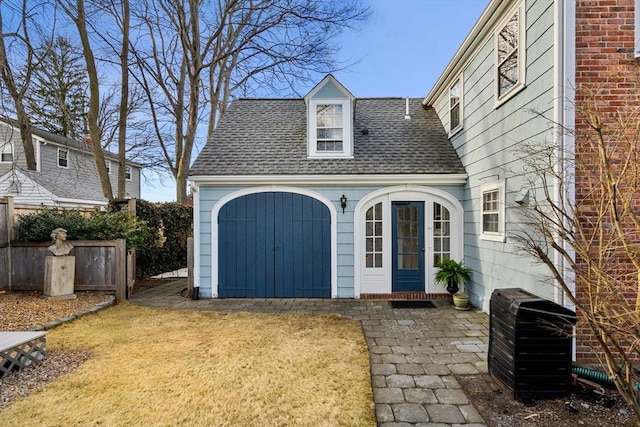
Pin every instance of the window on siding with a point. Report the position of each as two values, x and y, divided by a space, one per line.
492 211
455 106
441 233
107 163
127 173
6 153
373 237
63 158
329 127
510 55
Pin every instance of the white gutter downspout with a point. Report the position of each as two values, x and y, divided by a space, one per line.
564 122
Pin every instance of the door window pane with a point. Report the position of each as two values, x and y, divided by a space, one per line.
441 233
373 239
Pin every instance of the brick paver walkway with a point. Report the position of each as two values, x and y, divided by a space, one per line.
414 353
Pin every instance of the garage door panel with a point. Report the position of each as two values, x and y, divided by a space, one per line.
274 245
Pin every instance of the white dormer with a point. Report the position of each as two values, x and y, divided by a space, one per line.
329 120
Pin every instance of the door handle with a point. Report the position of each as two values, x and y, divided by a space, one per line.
422 249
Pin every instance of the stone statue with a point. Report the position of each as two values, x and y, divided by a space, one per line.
60 246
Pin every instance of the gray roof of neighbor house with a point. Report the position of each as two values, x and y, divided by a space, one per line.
269 137
64 186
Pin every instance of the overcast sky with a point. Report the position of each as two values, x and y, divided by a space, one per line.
401 51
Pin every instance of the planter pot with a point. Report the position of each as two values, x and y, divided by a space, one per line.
453 288
461 301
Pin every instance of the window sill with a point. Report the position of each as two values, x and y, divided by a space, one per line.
330 156
455 131
493 237
497 102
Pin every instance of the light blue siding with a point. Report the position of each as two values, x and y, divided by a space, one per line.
488 146
329 90
208 196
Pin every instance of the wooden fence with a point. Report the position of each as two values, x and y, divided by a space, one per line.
101 265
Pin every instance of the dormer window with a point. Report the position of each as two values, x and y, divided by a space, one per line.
329 127
329 120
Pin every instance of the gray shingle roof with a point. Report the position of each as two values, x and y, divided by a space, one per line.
268 137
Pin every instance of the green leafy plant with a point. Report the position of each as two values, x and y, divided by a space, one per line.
452 274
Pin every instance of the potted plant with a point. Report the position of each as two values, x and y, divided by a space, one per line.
453 274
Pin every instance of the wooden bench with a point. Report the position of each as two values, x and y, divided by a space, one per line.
21 349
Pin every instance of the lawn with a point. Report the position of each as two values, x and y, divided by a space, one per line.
158 367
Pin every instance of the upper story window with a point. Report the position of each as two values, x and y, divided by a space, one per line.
510 53
6 153
455 106
329 127
63 158
127 173
492 211
107 164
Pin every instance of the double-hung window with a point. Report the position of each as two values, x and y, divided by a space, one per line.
455 106
6 153
63 158
510 55
127 173
330 128
492 211
107 164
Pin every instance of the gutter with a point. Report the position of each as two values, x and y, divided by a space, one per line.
387 179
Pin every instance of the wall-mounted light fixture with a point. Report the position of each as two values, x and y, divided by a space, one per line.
343 202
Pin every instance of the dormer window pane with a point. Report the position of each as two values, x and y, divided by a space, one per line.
329 130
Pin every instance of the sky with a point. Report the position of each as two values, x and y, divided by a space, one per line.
400 51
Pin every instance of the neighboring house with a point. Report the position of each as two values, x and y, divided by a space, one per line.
444 182
65 174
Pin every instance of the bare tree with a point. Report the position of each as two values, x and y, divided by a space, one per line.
596 233
198 56
16 87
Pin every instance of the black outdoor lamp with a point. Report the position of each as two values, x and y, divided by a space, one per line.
343 202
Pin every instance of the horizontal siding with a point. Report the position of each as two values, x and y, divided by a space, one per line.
489 145
208 196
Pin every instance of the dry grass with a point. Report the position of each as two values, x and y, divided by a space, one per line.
157 367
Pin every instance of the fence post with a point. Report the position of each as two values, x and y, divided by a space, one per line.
121 276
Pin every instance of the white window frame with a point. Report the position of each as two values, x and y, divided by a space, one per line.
457 128
128 172
522 48
107 164
498 236
4 151
347 129
59 151
636 48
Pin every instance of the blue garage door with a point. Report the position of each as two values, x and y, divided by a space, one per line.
274 245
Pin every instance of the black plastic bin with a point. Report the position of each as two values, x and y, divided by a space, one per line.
530 344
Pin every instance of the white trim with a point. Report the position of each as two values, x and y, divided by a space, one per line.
484 188
383 179
458 128
268 189
195 191
58 151
478 36
522 55
107 163
564 119
403 193
347 129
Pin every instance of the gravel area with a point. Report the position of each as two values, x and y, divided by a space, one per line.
27 310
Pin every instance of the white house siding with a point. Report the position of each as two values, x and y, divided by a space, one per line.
488 145
208 196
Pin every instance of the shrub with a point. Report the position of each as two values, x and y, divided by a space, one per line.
37 227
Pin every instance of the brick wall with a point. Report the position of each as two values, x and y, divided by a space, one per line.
607 82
